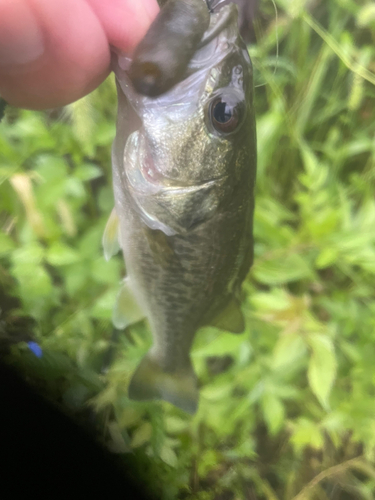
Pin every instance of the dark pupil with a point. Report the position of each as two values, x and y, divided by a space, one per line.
222 112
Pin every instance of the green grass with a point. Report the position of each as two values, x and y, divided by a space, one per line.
287 409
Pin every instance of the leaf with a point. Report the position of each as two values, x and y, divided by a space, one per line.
273 411
214 392
326 257
52 172
34 281
6 244
105 272
175 425
90 243
51 168
221 345
275 300
59 255
105 133
106 397
208 460
142 435
366 16
245 449
306 433
316 173
75 188
281 270
87 172
77 278
6 171
322 367
103 307
168 455
288 349
129 417
32 253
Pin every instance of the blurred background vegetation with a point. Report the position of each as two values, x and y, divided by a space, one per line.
287 409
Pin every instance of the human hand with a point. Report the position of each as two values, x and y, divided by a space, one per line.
52 52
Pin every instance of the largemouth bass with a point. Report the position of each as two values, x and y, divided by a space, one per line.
184 168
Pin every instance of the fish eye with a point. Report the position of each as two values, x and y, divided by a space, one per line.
225 113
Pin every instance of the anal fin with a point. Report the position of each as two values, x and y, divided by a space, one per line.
230 318
127 310
151 382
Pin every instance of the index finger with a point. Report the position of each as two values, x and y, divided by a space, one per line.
53 53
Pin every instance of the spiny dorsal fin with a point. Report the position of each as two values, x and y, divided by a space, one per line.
151 382
127 310
230 318
110 239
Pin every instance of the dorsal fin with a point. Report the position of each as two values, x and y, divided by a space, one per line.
230 318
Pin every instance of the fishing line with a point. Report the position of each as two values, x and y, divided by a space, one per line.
277 43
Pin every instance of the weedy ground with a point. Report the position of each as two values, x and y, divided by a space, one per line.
287 409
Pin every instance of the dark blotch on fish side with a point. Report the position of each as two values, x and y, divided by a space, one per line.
161 58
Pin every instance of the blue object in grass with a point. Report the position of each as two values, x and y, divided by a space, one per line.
36 349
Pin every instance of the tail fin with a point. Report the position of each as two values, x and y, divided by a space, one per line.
151 382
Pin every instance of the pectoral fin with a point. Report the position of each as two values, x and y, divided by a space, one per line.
110 239
230 318
127 310
151 382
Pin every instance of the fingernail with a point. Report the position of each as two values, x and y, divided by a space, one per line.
21 40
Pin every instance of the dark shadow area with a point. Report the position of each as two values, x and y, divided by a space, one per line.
42 450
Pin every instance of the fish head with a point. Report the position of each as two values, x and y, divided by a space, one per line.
200 129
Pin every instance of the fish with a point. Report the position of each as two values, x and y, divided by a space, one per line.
184 169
